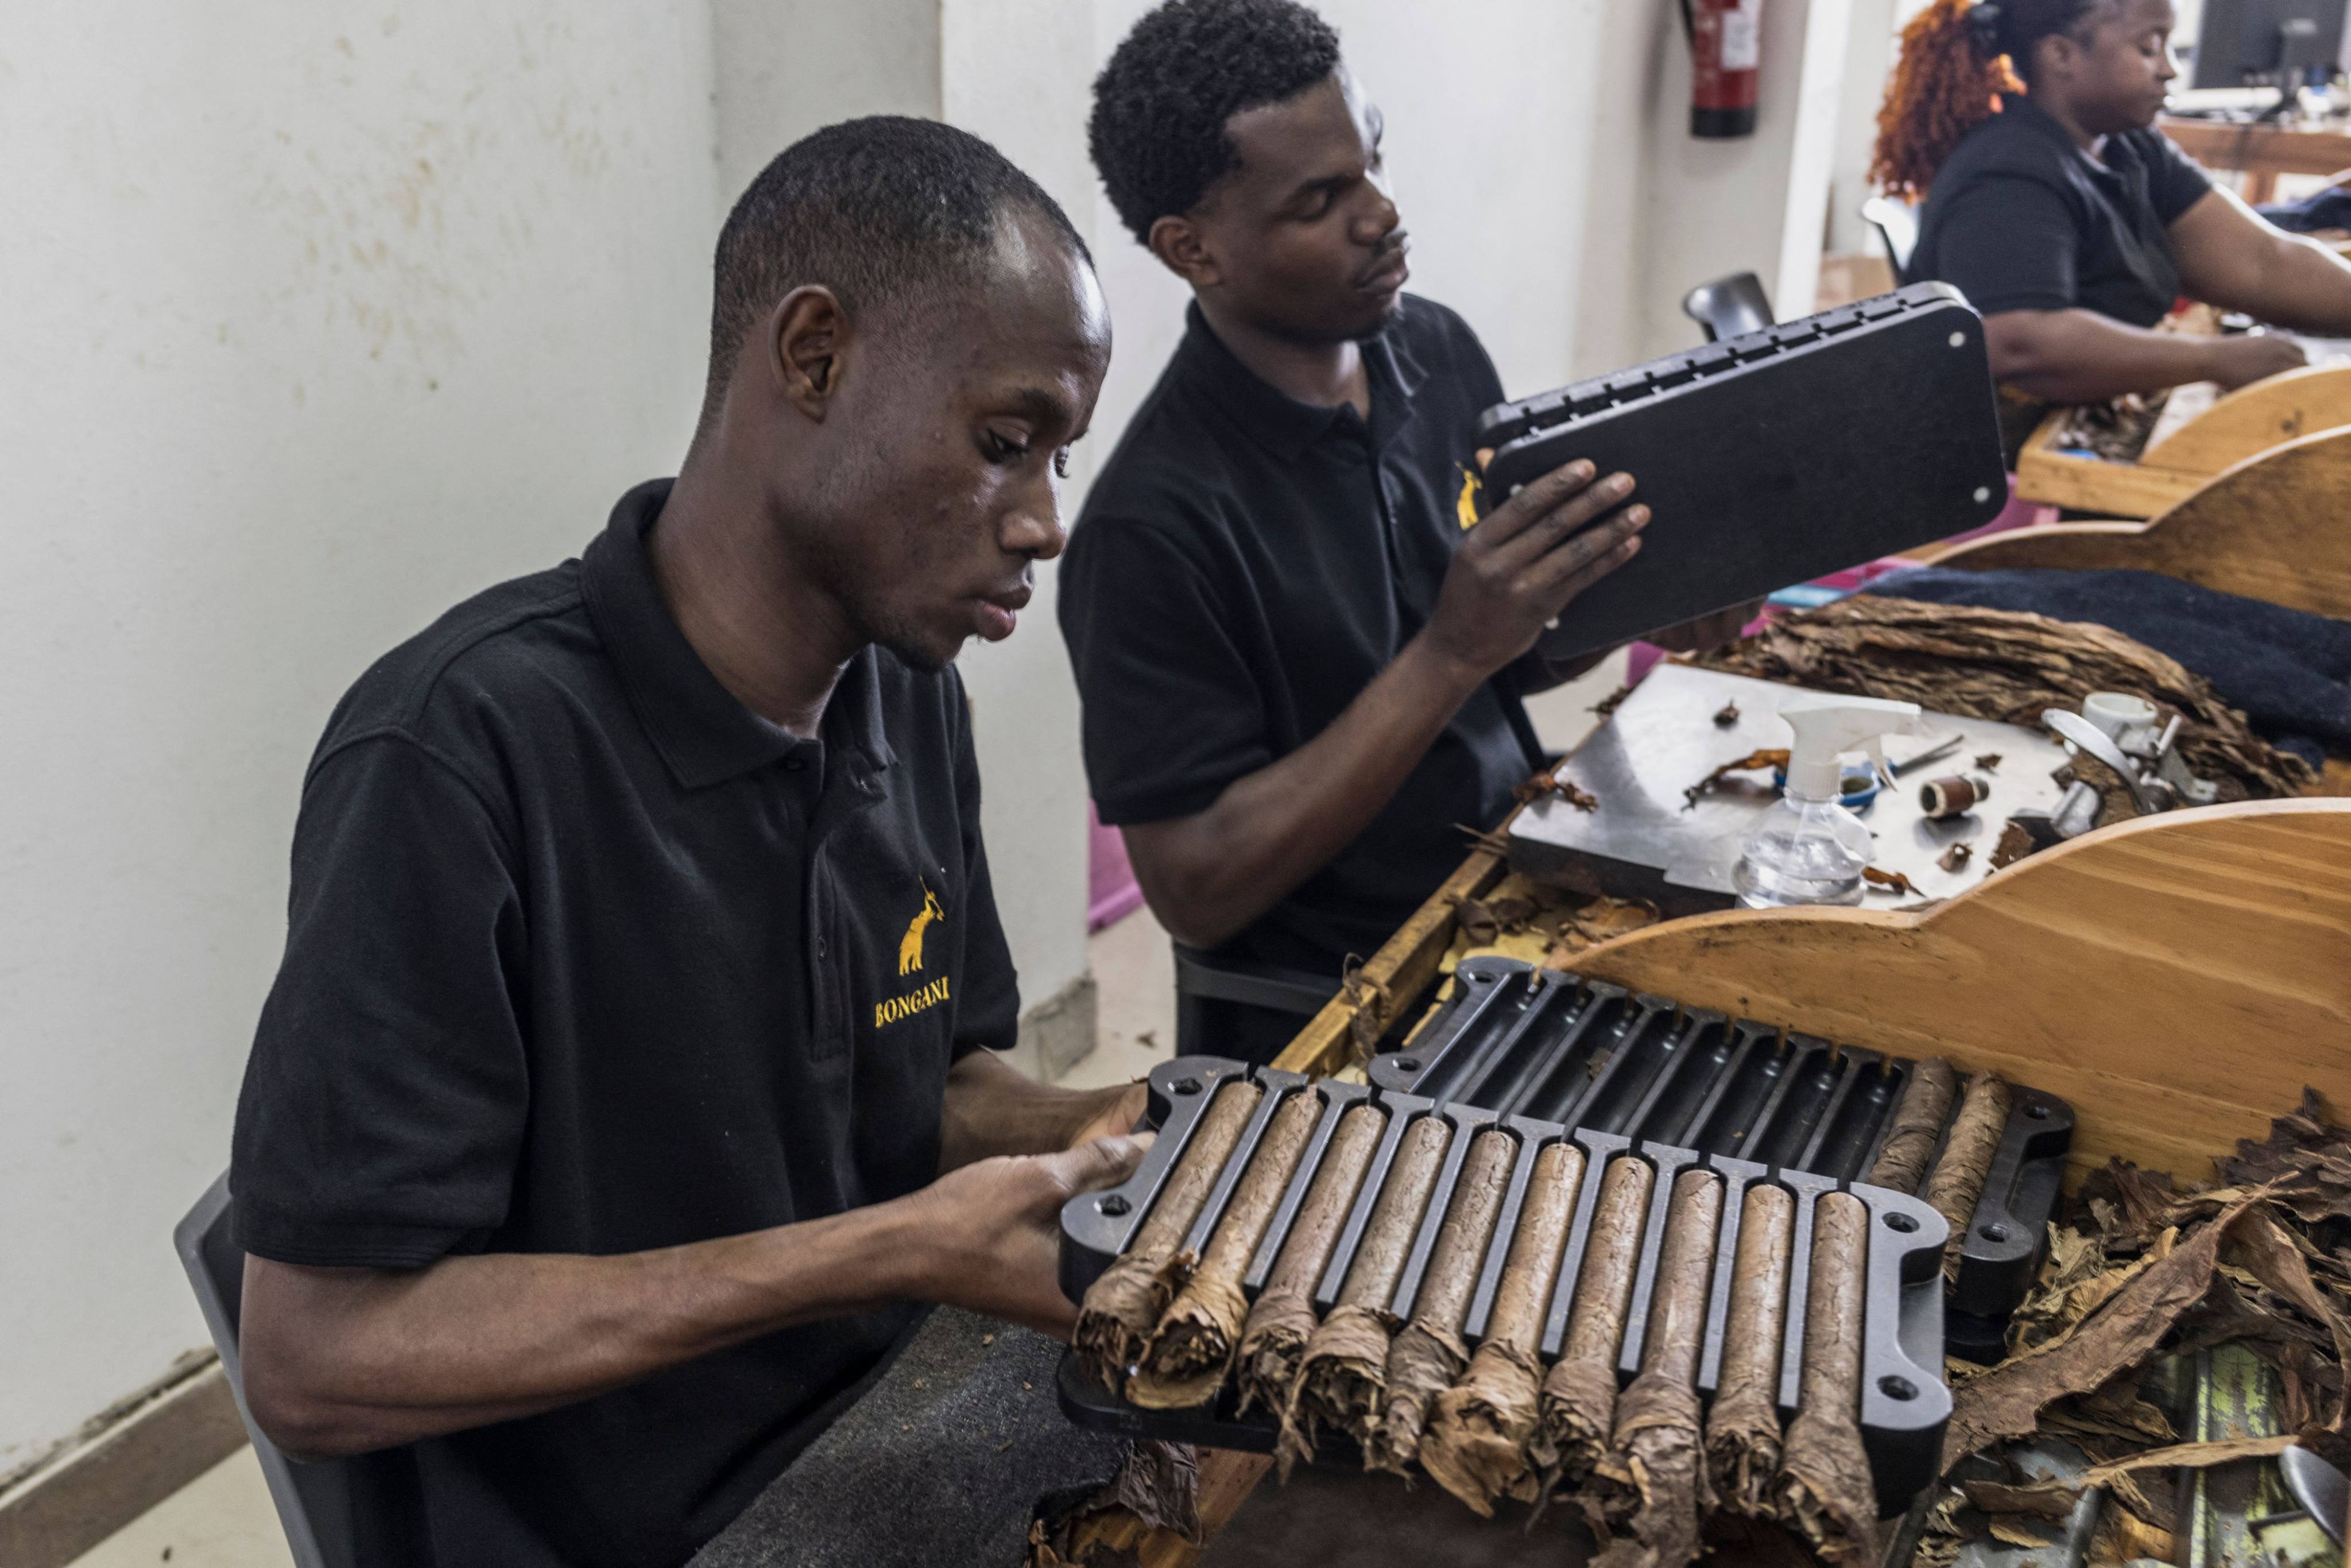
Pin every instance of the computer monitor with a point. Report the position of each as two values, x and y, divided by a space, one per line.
2275 41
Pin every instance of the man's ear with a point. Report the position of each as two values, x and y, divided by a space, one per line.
807 334
1176 242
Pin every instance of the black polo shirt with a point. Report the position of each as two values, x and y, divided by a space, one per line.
2019 218
1244 566
584 957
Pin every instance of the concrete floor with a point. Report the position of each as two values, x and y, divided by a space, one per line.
224 1519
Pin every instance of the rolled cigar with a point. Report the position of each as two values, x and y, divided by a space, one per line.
1578 1409
1952 796
1429 1353
1274 1338
1192 1348
1743 1429
1957 1178
1654 1462
1917 1127
1825 1489
1475 1445
1343 1377
1123 1307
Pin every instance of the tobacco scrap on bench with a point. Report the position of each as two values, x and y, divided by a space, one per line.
1776 756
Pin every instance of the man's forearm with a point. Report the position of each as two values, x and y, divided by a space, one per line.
341 1361
2080 356
993 1110
1209 874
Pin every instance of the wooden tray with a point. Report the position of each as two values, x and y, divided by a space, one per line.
2247 423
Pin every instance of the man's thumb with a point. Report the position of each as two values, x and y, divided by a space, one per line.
1099 1163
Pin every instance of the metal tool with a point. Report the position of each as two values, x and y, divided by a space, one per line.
2324 1492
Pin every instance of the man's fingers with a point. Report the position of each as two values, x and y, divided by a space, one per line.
1561 589
1514 516
1569 519
1105 1162
1582 549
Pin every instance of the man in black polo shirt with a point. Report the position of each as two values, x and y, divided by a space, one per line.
1301 678
623 1089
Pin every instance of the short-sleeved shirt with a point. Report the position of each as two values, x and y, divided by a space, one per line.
2020 218
584 957
1244 567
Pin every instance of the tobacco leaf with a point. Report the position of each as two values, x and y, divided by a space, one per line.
2006 665
2306 1155
2007 1401
1769 757
2007 1530
2014 844
1892 882
2042 1500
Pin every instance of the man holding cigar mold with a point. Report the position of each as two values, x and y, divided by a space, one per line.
1302 677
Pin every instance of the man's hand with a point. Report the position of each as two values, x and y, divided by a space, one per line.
991 1232
1118 1118
2248 356
1518 568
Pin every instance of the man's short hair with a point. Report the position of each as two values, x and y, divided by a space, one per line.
883 210
1157 134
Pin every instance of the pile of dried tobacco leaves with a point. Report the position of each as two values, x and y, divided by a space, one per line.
2138 1270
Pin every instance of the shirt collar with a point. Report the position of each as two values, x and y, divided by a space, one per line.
2039 119
701 730
1282 424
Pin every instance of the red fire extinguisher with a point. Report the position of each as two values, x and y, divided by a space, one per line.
1726 46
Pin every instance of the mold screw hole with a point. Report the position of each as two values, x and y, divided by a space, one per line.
1408 1064
1992 1232
1186 1086
1901 1222
1114 1206
1897 1388
2037 1111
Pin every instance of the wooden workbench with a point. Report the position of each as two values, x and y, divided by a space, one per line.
2262 152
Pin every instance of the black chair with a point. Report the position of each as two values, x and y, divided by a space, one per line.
1728 306
1219 1001
314 1502
1897 224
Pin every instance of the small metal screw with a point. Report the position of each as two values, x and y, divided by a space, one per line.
1992 1232
2037 1111
1901 1222
1114 1206
1186 1086
1898 1387
1408 1064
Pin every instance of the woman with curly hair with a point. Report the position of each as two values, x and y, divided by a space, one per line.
2067 219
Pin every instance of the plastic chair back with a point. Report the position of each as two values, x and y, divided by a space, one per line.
1897 224
314 1500
1728 306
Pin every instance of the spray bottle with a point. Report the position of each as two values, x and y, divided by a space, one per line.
1808 849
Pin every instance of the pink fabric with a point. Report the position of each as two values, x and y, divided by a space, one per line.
1112 893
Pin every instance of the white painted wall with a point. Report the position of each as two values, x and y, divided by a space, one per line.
319 316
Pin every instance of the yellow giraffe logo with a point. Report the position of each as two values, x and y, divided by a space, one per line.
910 948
